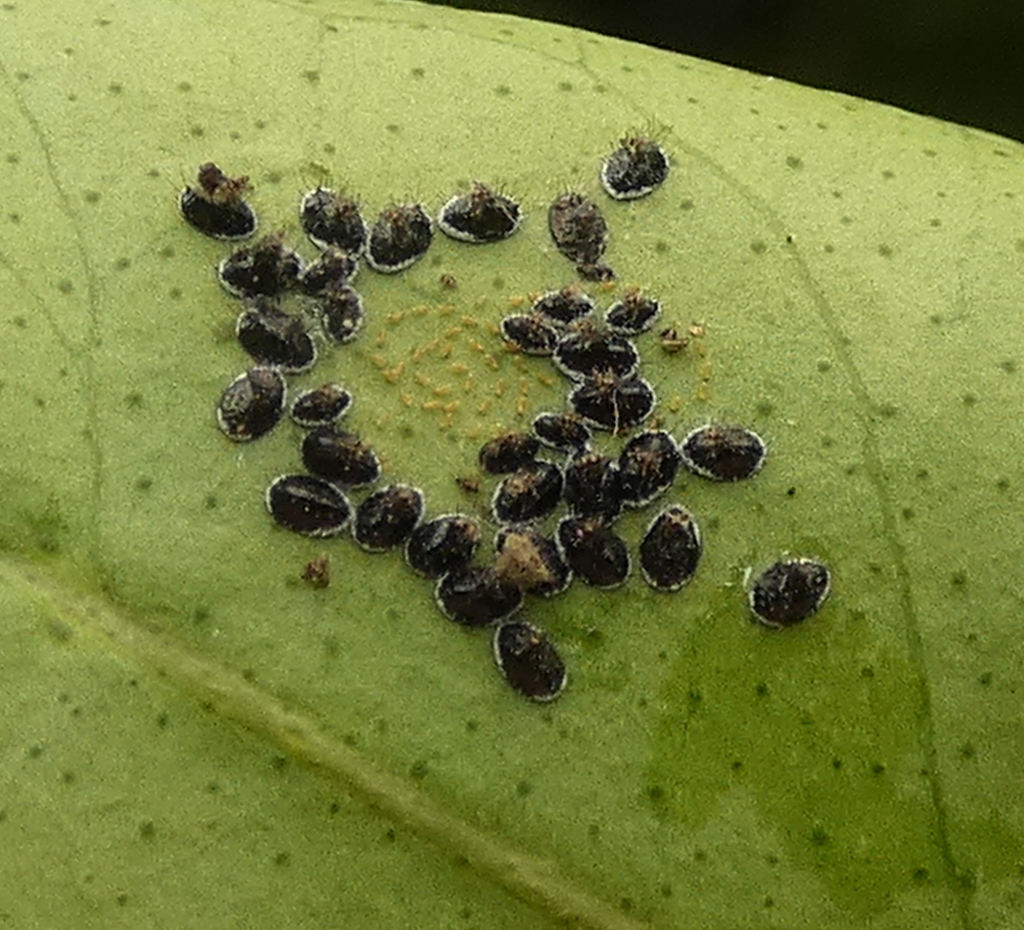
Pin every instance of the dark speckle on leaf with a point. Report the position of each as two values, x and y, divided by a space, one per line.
419 770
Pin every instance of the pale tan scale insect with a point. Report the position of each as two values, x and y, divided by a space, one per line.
421 379
705 370
485 407
477 346
460 368
521 407
468 384
703 392
452 406
671 342
382 338
446 350
407 399
421 309
470 321
453 332
431 405
499 389
396 317
446 309
317 572
443 390
446 421
516 301
379 361
494 328
492 362
546 380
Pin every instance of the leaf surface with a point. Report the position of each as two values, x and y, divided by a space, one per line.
194 737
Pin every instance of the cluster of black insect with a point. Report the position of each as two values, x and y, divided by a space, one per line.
290 307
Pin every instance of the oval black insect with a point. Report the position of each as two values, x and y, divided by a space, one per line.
528 333
273 337
528 494
264 269
612 403
648 464
530 561
594 551
723 453
481 215
588 351
671 549
789 591
308 505
632 315
473 595
333 269
387 517
342 313
216 207
578 228
508 451
332 220
251 405
566 306
529 661
321 406
400 236
442 545
593 486
634 169
565 432
339 456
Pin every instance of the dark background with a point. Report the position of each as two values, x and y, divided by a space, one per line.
960 60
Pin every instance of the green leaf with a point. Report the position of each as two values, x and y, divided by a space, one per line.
194 737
